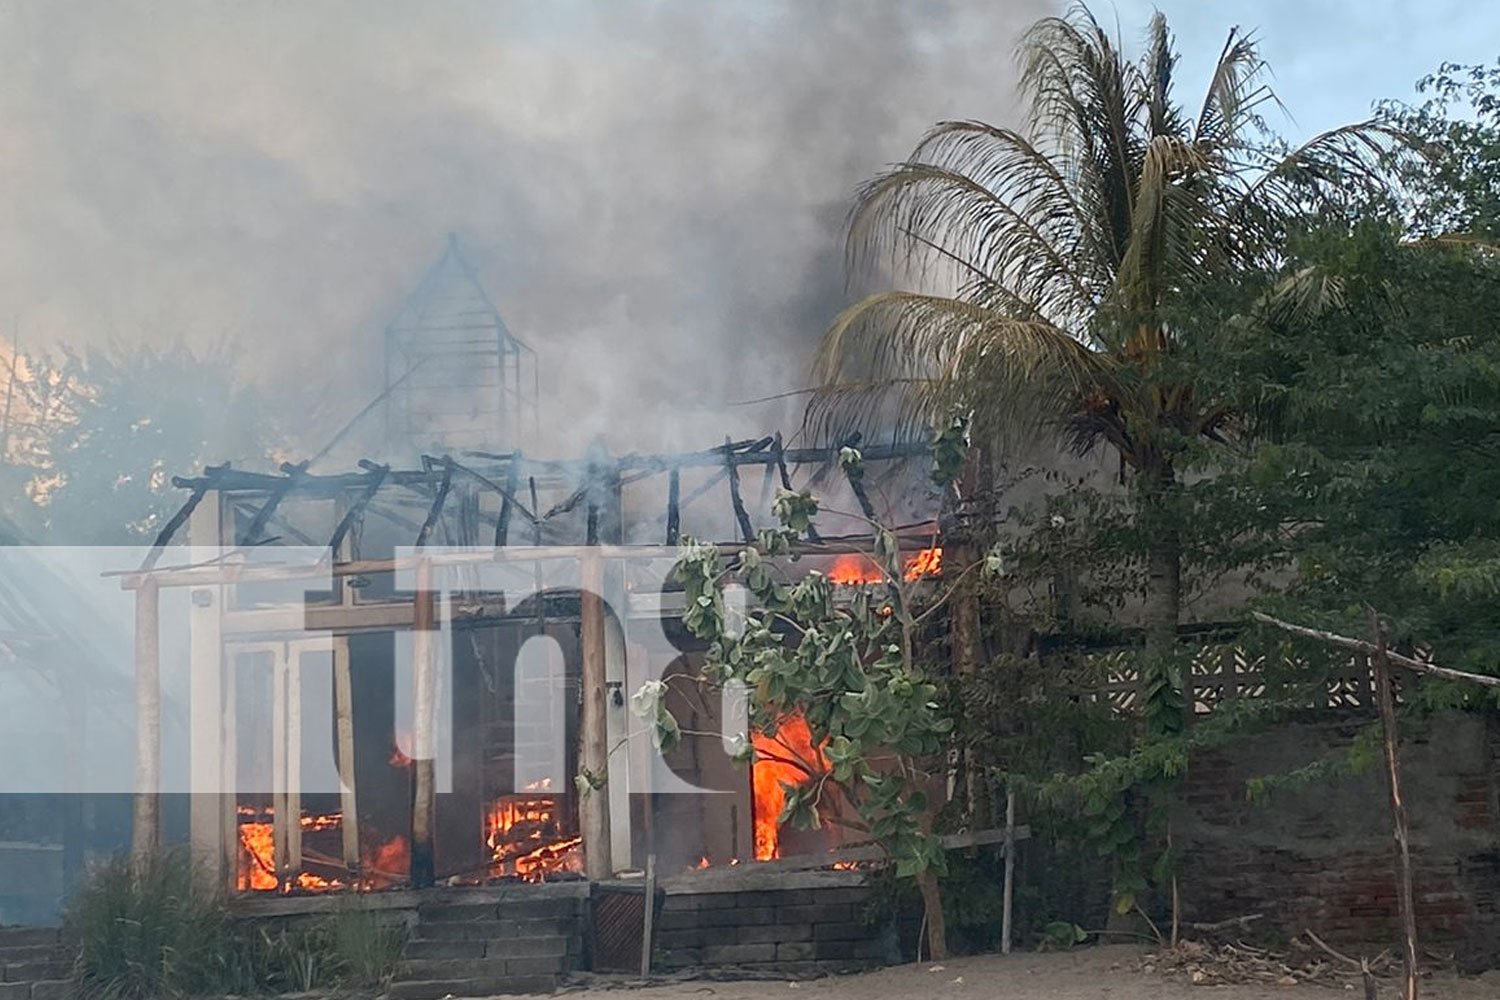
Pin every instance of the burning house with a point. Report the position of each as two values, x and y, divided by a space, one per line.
419 674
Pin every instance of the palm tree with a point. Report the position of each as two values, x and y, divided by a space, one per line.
1051 256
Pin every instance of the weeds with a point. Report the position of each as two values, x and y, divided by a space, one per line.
163 934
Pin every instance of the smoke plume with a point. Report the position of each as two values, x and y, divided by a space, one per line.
652 191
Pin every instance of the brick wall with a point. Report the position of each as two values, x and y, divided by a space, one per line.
1321 857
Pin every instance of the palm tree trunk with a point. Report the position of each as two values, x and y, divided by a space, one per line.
1163 594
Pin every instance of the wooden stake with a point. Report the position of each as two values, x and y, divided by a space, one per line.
145 826
593 807
343 695
293 763
1381 668
1010 871
424 802
650 915
281 809
229 763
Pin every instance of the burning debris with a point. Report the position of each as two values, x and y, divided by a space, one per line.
384 865
527 836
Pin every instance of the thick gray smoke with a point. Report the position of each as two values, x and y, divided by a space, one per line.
653 191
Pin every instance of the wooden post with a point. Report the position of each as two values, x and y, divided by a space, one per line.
674 510
343 707
507 501
650 915
229 818
211 852
424 766
293 763
1010 871
740 514
281 810
593 807
145 825
1381 667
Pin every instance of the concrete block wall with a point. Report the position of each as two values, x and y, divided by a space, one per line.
788 922
34 965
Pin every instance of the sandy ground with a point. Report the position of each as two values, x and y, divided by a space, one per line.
1085 974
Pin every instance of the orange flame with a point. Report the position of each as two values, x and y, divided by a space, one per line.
392 860
398 758
256 871
852 569
787 757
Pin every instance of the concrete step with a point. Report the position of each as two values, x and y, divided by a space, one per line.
551 946
54 989
480 930
437 989
560 906
478 968
27 936
36 971
30 953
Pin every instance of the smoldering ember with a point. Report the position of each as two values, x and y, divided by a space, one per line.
518 498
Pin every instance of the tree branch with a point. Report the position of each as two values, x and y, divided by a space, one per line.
1360 646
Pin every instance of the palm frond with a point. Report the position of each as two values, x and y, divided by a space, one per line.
920 204
940 356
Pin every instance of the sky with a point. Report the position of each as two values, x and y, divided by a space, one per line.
652 190
1330 59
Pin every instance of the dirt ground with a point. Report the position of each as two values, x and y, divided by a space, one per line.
1104 973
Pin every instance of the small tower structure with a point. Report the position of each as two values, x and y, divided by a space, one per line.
456 378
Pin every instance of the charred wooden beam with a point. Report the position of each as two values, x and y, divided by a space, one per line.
267 509
508 500
436 510
536 523
705 486
674 509
740 514
779 454
506 493
748 452
591 526
856 481
357 508
177 520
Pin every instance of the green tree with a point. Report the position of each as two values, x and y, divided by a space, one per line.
109 430
1455 188
846 663
1382 448
1052 258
